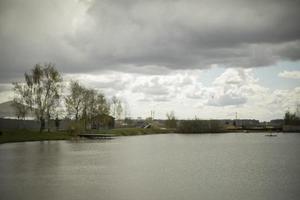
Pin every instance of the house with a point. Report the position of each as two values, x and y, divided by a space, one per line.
102 121
245 123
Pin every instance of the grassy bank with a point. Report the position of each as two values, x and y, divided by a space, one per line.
134 131
26 135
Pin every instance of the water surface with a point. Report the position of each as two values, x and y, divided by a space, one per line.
168 167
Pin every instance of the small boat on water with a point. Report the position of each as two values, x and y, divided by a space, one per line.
270 135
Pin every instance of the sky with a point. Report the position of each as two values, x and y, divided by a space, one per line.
208 59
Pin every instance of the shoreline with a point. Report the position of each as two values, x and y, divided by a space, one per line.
27 135
32 136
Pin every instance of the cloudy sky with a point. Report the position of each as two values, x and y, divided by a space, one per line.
204 58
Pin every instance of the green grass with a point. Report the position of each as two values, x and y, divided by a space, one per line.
134 131
26 135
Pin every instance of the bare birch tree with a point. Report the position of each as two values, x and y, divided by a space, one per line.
41 91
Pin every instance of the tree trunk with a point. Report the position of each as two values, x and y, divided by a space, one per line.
42 127
76 116
49 123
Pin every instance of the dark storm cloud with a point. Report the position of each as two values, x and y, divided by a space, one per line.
126 35
290 51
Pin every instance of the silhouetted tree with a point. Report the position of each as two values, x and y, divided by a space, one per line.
41 91
74 101
116 107
86 104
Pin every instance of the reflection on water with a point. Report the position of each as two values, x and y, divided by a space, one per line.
174 166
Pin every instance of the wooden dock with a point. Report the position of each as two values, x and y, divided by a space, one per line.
94 135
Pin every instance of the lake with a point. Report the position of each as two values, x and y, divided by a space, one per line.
153 167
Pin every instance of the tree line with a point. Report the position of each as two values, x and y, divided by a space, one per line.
291 119
42 94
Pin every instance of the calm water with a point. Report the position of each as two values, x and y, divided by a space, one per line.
168 167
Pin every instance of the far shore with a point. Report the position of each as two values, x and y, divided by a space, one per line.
29 135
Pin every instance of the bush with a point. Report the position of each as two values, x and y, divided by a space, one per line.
199 126
76 127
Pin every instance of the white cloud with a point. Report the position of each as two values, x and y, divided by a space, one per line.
290 74
183 91
152 87
227 99
235 76
233 87
238 90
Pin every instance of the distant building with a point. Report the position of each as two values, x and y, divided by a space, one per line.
247 122
103 121
276 122
239 122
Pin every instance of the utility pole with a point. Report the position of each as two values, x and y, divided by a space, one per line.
236 119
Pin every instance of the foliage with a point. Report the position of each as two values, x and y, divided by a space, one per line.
85 105
199 126
74 101
102 105
40 92
291 119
